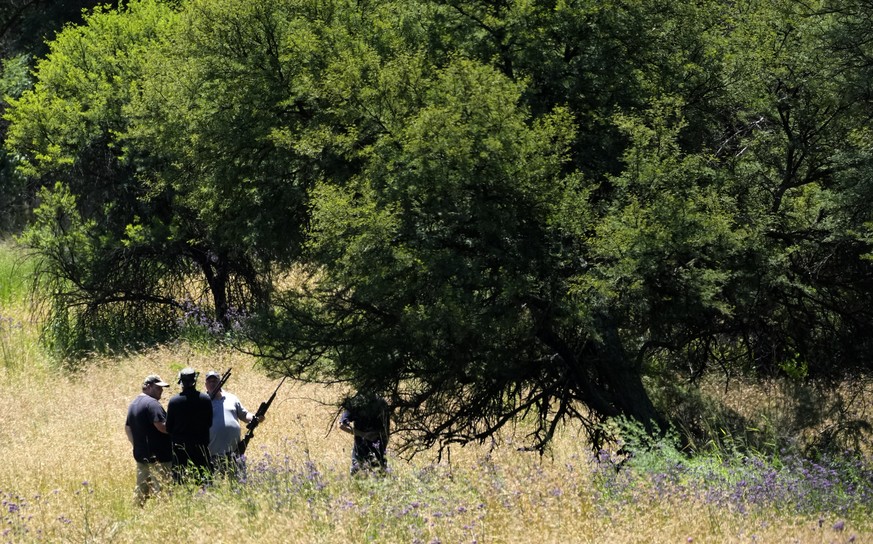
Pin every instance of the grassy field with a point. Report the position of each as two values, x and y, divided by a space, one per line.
67 474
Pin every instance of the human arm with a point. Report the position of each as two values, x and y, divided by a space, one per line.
129 432
246 416
170 420
158 417
208 410
367 435
346 424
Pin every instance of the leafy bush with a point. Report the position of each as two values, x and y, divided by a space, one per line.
647 468
71 333
15 271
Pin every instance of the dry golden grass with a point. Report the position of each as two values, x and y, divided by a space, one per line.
61 431
67 476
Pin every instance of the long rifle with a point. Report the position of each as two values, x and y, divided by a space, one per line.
221 383
259 415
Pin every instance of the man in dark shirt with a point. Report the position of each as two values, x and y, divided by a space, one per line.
189 416
147 431
365 416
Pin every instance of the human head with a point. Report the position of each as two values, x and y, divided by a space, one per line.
366 404
188 377
212 379
153 386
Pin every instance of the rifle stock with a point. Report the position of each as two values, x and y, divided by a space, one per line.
262 411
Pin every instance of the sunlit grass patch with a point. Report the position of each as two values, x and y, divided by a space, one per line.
19 338
67 476
15 273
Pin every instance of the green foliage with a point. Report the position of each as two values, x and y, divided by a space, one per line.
140 240
15 273
73 116
480 209
751 482
19 346
14 76
14 79
451 238
69 254
671 230
212 140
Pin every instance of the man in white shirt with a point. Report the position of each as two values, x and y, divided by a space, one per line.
224 435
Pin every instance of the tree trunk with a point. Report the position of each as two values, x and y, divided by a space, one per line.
619 379
607 380
215 270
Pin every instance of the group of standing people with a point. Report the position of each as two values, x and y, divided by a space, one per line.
197 435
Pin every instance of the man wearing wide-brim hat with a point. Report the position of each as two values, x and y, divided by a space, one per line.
189 417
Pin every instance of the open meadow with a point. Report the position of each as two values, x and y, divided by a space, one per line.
67 474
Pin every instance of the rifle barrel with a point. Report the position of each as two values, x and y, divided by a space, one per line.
262 411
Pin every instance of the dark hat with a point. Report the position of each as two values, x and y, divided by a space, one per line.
154 379
213 374
187 375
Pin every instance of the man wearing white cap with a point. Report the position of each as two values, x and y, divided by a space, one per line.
224 435
146 429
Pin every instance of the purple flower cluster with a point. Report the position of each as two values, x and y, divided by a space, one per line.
415 509
9 324
839 485
286 482
14 516
198 319
430 503
17 517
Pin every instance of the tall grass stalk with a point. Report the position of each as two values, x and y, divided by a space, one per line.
19 339
15 270
67 476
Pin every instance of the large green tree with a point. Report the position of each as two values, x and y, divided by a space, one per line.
25 28
717 224
486 210
65 136
439 273
162 125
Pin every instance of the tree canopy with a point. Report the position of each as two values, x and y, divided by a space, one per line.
484 210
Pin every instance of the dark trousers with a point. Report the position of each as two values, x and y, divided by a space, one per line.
191 463
368 455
